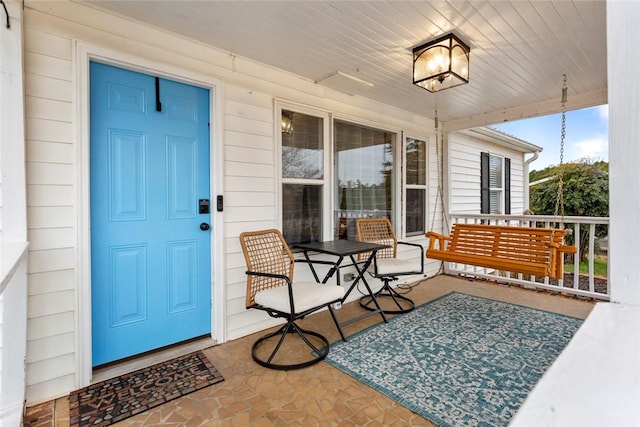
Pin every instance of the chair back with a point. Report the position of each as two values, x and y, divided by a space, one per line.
265 251
377 230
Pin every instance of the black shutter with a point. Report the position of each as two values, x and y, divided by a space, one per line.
507 186
484 183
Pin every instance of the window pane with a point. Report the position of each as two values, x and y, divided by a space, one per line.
495 172
416 162
302 154
494 202
364 173
415 211
301 213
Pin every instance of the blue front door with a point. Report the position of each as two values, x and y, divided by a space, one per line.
150 259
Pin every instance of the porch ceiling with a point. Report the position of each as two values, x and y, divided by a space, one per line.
519 49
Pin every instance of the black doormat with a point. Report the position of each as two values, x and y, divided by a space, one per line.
116 399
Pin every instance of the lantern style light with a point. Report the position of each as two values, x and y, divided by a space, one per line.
441 64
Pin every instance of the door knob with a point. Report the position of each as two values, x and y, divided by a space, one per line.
204 226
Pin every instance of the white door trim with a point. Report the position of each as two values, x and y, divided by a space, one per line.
83 53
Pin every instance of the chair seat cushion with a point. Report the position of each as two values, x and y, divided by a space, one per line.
306 295
391 266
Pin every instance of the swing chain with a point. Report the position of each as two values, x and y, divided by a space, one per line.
439 189
563 134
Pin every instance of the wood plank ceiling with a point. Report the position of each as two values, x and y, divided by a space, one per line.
519 49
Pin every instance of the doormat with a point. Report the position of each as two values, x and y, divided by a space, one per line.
116 399
459 360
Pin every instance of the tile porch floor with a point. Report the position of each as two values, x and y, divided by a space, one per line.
316 396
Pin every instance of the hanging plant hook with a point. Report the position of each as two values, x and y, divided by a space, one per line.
6 12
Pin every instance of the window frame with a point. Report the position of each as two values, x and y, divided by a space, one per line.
504 198
407 186
327 174
396 189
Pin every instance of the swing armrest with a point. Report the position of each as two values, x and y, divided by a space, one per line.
441 238
567 249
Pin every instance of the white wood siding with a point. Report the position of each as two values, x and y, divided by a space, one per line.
54 178
464 173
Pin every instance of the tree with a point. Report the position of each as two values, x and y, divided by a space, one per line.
585 193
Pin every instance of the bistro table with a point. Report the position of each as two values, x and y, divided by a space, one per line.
343 249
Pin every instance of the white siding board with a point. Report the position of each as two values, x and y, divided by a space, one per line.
246 184
56 324
51 238
49 347
46 87
51 217
50 195
39 173
38 391
50 369
54 303
247 111
248 96
249 126
250 199
233 229
49 152
50 109
249 155
48 65
246 214
51 260
49 130
51 282
36 41
254 170
243 139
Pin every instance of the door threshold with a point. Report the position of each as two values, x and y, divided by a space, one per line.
150 358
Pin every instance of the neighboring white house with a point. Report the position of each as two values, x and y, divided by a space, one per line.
488 172
57 41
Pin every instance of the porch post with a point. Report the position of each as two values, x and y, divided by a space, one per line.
624 150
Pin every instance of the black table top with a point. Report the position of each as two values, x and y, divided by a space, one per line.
340 247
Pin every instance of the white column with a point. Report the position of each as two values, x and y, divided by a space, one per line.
623 40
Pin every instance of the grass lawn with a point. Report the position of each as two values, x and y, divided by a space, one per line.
599 267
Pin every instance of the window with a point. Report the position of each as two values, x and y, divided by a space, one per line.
416 186
302 176
363 174
495 184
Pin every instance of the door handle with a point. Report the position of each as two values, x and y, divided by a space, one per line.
204 226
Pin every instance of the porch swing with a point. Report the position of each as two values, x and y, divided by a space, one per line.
526 250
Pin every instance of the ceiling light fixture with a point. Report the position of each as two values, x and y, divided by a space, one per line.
441 64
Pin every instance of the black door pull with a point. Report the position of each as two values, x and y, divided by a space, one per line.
204 226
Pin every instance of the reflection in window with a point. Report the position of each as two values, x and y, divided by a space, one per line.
363 163
301 213
302 177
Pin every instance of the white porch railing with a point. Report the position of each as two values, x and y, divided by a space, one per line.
588 284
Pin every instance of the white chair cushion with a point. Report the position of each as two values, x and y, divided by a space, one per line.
391 266
306 295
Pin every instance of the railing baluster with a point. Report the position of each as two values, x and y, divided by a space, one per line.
592 241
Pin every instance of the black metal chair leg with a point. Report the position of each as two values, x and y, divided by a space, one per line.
403 304
318 352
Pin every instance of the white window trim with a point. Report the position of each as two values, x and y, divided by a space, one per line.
398 218
402 230
500 190
327 175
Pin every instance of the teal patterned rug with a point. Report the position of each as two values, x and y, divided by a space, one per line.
459 360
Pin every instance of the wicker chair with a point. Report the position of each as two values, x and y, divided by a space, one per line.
270 287
386 266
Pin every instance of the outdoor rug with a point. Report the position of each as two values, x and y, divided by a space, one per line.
113 400
459 360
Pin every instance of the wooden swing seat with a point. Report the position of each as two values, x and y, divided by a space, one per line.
526 250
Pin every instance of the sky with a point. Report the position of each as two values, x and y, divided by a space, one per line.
587 135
